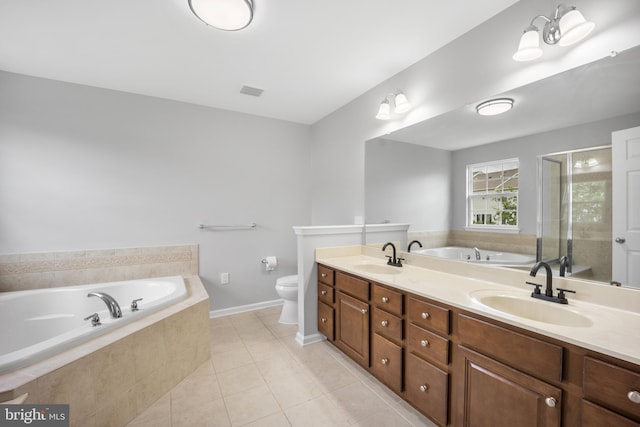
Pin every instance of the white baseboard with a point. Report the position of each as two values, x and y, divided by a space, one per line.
309 339
245 308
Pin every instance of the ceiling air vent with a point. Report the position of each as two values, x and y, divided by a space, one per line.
253 91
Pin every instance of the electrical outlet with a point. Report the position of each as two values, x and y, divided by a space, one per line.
224 278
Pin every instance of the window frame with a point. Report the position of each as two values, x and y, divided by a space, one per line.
470 196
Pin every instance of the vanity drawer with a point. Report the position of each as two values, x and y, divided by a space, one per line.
325 320
428 316
427 344
325 275
353 286
325 293
386 362
611 385
596 416
528 354
427 388
386 325
387 299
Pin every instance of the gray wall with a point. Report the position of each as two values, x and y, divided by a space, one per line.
408 183
527 149
86 168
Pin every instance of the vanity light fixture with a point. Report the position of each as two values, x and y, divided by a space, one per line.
494 107
228 15
586 163
400 102
568 26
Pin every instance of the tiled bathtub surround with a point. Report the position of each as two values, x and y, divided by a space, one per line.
508 242
19 272
111 379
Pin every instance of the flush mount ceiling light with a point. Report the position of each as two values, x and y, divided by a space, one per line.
568 26
400 102
228 15
494 107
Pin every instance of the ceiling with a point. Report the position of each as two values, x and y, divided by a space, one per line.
596 91
310 57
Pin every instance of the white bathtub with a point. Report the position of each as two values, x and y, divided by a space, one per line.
486 256
39 323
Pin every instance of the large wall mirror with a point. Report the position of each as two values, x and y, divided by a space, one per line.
418 175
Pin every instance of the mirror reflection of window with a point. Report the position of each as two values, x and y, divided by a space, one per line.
492 194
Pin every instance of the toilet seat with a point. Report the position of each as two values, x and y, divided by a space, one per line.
287 281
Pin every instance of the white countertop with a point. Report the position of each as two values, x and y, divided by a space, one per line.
613 331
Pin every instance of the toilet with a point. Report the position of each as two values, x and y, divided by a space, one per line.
287 288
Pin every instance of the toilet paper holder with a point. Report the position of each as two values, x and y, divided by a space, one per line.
270 263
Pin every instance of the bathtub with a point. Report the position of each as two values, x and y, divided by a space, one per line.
40 323
486 256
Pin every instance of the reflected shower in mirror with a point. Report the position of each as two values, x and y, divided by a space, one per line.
574 211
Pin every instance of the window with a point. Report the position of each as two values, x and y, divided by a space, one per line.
492 195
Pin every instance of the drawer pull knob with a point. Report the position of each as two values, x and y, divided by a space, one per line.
324 320
551 402
323 275
385 323
425 315
385 299
424 343
323 292
384 361
363 311
424 388
634 396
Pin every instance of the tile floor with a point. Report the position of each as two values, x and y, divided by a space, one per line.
258 375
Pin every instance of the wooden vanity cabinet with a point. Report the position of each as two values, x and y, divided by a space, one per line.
352 317
463 369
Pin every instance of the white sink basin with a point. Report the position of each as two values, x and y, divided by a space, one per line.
377 268
530 308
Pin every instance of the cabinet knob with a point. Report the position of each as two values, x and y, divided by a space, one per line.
385 323
551 402
634 396
424 388
425 315
323 275
323 320
323 292
385 299
384 361
363 311
424 343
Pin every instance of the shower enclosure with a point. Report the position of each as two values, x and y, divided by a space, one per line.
574 211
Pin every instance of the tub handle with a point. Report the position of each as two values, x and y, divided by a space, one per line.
134 304
95 319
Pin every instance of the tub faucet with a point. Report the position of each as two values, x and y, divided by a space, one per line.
414 242
112 304
477 252
397 262
564 263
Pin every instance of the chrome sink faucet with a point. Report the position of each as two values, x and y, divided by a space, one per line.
396 262
477 251
112 304
548 292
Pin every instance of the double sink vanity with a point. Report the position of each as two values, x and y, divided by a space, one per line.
468 346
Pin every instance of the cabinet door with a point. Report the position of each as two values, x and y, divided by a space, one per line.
352 328
495 395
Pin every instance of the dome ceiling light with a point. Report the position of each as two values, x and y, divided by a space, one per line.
494 107
227 15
